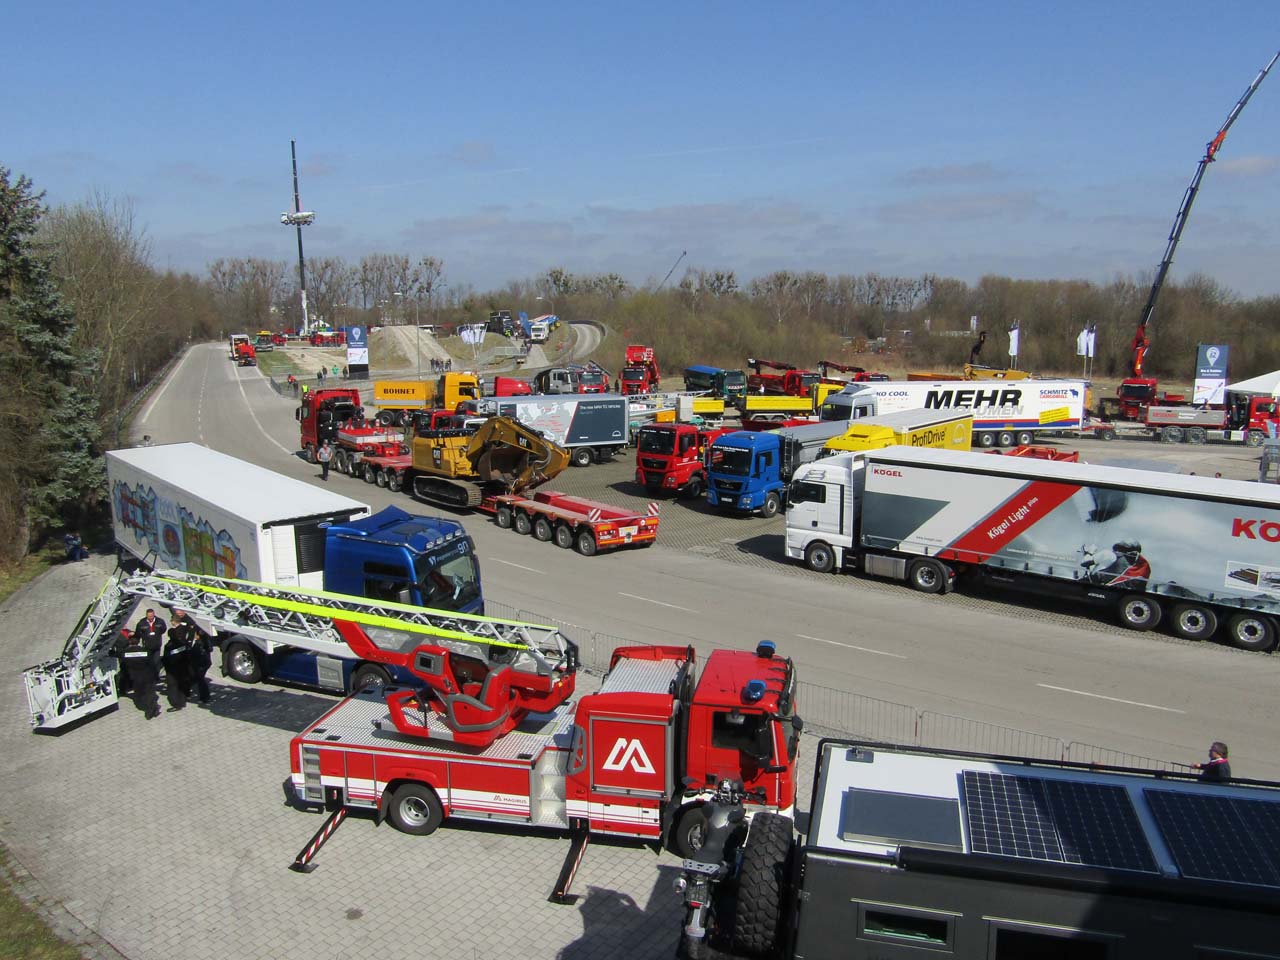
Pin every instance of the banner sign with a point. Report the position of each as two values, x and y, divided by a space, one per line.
1211 373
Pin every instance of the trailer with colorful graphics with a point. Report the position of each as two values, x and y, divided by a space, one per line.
1005 413
1195 552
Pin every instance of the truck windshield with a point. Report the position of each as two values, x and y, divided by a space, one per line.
656 441
834 411
807 380
591 379
448 577
734 379
633 373
731 460
1135 391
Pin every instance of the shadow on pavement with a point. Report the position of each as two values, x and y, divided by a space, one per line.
611 918
769 545
266 706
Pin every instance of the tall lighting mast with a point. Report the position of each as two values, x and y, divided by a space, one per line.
299 218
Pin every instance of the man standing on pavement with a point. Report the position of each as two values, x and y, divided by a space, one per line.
141 646
177 661
152 630
323 456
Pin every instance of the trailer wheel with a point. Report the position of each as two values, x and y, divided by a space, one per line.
1197 435
522 523
1254 438
393 481
819 557
1139 611
1025 438
927 576
582 457
689 833
542 529
504 516
371 473
1194 622
240 662
771 506
761 884
586 543
564 535
1005 438
369 675
1107 433
1171 435
985 438
693 489
415 809
1251 631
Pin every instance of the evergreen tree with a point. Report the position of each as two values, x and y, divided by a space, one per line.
48 460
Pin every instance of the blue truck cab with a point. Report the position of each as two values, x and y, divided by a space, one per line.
744 473
391 555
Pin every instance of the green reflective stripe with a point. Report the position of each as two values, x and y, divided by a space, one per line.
328 613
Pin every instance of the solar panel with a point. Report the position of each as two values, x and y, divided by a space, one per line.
1059 821
1221 838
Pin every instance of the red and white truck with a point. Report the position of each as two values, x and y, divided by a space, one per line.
640 373
493 736
788 382
1245 419
672 457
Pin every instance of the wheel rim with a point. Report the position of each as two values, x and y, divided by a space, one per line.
926 576
1137 612
242 664
564 537
414 811
820 559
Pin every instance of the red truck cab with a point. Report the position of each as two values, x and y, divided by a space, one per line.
671 457
593 381
322 413
640 375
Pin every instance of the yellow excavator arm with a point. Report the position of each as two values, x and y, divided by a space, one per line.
506 451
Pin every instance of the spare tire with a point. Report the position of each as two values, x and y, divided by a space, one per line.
761 884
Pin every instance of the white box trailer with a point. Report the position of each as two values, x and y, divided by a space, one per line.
1195 551
591 426
181 506
1006 413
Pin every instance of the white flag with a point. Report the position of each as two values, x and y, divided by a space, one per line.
1082 343
973 324
472 334
1013 340
1092 341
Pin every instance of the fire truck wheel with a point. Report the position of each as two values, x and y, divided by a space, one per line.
1194 622
564 535
771 506
393 481
1250 631
586 543
522 523
1254 438
415 809
542 529
1140 612
690 833
693 489
1024 438
927 576
240 662
369 675
760 885
582 457
819 557
503 517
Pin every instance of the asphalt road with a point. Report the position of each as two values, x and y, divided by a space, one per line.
715 580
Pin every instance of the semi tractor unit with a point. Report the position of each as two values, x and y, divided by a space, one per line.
591 428
1195 552
944 429
729 384
748 471
640 371
184 507
337 416
1005 414
911 852
672 457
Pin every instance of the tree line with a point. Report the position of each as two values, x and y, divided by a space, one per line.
87 321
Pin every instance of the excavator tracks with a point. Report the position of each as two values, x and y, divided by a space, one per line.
448 493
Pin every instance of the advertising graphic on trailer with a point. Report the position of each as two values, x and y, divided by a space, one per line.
179 539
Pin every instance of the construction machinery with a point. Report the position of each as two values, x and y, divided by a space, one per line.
397 399
788 382
640 371
855 374
1139 390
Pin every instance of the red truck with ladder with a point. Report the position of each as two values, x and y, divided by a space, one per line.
789 382
640 372
672 457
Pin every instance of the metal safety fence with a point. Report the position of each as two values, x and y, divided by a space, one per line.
843 713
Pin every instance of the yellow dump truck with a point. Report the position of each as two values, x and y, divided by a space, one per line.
395 398
945 429
762 407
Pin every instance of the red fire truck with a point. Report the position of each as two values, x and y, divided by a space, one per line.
671 457
492 735
640 373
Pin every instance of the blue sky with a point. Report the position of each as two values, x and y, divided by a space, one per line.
1024 139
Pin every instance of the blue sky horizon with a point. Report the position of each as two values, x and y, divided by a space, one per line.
960 140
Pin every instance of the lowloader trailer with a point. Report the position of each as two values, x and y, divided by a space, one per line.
1195 552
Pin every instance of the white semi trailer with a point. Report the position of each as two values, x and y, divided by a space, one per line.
1197 551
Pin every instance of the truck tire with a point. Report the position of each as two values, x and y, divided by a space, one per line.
564 536
523 524
1197 435
340 462
394 479
381 478
1139 611
1191 621
310 452
582 457
1254 438
542 529
761 883
369 675
386 417
1251 631
1004 439
819 557
503 517
693 489
1107 433
690 833
1171 435
240 662
985 439
1025 438
771 506
371 474
586 543
415 809
927 576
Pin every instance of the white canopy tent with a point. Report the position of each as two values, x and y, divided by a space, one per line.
1267 383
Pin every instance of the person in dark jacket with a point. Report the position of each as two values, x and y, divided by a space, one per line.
1218 768
178 661
201 654
152 629
140 650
